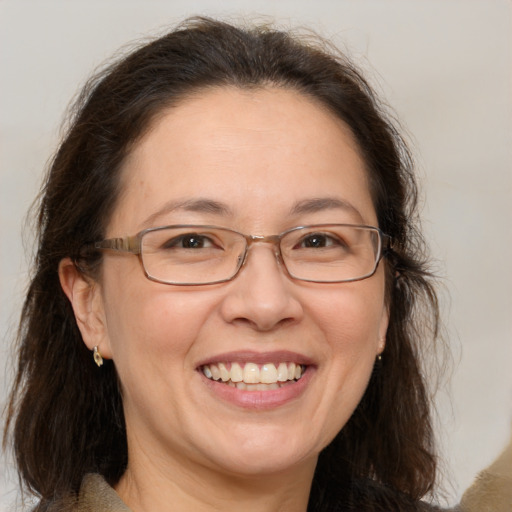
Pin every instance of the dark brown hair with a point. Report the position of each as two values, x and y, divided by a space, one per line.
65 415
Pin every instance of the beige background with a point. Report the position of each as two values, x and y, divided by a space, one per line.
444 65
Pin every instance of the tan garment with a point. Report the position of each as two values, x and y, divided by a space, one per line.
492 489
97 496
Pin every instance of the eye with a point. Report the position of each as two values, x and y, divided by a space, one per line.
318 240
189 241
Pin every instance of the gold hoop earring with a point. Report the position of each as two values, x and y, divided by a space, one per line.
97 356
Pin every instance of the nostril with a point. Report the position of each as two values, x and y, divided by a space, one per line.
262 323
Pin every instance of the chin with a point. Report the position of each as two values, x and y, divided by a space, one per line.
263 465
262 454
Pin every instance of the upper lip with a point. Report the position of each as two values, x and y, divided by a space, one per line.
250 356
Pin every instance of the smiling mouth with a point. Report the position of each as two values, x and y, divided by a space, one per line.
254 377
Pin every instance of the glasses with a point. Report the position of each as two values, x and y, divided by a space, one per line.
196 255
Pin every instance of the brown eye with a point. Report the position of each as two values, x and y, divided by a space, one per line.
189 241
318 241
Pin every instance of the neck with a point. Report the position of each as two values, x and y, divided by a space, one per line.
149 487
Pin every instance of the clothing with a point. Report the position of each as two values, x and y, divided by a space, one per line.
96 495
492 489
492 492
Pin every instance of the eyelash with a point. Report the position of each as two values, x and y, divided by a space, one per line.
176 241
330 239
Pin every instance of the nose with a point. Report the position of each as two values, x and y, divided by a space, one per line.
262 295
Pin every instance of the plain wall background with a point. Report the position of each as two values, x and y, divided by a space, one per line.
445 66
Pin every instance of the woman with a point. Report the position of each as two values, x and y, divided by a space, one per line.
262 349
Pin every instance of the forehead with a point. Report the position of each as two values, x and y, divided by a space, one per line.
253 150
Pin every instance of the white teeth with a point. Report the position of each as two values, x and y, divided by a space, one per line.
224 374
268 374
215 372
256 387
251 373
251 377
265 387
282 372
237 375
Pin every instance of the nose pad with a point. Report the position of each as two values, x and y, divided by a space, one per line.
279 257
244 257
262 240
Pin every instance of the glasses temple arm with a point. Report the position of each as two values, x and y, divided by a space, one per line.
126 244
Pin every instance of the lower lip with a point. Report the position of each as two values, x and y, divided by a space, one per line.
260 399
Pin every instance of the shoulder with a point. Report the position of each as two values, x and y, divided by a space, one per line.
95 495
369 496
384 499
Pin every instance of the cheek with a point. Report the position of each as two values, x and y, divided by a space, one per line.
352 350
349 324
148 322
351 320
154 330
351 316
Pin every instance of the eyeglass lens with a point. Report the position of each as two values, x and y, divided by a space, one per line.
202 254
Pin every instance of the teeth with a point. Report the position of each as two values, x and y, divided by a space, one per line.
215 372
268 374
251 373
253 377
224 374
256 387
282 372
237 375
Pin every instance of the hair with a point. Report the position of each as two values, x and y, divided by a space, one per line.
65 416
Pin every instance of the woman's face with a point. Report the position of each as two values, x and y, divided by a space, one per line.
259 162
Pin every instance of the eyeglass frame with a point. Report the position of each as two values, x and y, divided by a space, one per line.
133 245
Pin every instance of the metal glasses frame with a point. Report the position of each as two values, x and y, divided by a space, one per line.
133 244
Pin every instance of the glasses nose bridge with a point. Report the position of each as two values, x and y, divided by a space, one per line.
273 240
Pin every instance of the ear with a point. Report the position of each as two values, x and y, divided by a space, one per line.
383 328
85 296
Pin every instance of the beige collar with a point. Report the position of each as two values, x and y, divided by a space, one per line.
97 496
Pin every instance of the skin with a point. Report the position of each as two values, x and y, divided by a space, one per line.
258 153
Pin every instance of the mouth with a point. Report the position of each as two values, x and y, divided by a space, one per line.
251 376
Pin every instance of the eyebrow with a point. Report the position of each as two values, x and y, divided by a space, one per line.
199 205
210 206
319 204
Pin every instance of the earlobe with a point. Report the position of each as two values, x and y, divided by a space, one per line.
85 297
381 346
383 328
